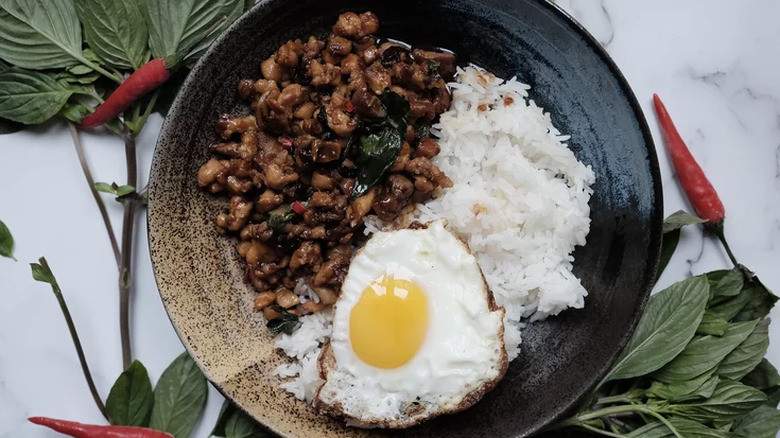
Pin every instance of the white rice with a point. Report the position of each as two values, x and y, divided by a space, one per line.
519 199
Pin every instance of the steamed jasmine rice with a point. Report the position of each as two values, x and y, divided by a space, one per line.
519 199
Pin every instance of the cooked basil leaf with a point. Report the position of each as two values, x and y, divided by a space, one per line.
381 143
285 323
40 34
131 398
6 242
704 353
747 355
115 30
668 324
279 217
31 97
179 398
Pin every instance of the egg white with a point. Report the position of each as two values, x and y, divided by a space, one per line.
463 350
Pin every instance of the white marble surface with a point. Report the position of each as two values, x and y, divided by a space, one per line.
714 62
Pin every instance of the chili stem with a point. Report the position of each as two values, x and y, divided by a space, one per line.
74 133
76 342
128 222
722 237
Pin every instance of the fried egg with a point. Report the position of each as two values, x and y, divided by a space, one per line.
415 334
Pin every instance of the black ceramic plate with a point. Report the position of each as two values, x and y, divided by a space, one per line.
200 275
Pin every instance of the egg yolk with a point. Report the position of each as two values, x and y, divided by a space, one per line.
387 325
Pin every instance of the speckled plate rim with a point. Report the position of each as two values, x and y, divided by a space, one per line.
652 157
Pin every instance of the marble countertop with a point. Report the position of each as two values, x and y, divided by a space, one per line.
714 62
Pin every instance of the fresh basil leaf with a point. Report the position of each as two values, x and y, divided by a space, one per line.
231 10
729 308
680 219
730 401
668 324
700 386
704 353
179 398
773 396
44 275
686 428
712 324
86 79
40 34
177 27
31 97
124 190
762 300
761 422
9 126
669 243
115 30
106 188
227 411
240 425
75 111
726 282
747 355
248 4
131 398
6 242
763 376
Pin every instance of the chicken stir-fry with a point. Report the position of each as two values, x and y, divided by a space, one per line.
299 172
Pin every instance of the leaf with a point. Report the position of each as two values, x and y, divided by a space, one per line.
726 282
701 386
729 401
240 425
131 398
231 10
115 30
669 243
179 398
704 353
763 376
124 190
668 324
729 308
31 97
75 111
761 422
40 34
44 275
686 428
381 143
680 219
175 28
6 242
114 189
747 355
285 323
225 413
761 301
712 324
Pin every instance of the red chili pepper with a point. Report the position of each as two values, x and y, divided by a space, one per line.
286 143
79 430
147 78
298 207
694 182
350 107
